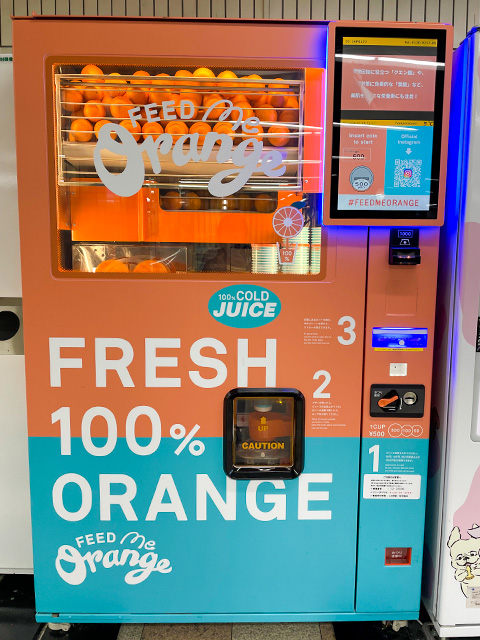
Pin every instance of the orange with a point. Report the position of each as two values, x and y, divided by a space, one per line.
176 128
290 115
252 134
278 140
266 114
172 201
202 128
142 80
120 107
137 96
160 95
161 82
264 203
240 97
245 202
203 72
91 70
72 99
226 87
107 101
192 202
116 91
153 129
99 125
193 96
112 266
224 127
161 89
94 110
217 111
261 100
182 74
151 266
80 131
257 86
278 98
227 204
136 130
91 92
247 111
292 102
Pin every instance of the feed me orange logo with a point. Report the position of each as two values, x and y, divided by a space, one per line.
186 145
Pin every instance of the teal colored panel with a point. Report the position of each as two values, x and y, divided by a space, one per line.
242 565
395 522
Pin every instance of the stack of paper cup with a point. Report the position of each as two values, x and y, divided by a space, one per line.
264 258
315 251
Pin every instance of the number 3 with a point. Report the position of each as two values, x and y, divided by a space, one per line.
348 330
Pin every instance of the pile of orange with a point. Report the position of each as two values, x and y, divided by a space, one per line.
102 98
151 265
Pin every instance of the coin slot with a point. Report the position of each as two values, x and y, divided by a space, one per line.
410 398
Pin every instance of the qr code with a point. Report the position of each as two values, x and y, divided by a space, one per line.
407 173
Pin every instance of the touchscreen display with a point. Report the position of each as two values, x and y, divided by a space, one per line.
387 124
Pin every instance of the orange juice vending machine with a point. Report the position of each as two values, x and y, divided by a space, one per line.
228 314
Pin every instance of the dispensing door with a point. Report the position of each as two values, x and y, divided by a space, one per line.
177 254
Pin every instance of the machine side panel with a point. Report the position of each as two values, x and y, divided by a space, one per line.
459 574
435 540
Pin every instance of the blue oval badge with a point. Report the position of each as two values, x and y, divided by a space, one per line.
244 306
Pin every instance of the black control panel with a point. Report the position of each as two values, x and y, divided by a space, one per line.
406 400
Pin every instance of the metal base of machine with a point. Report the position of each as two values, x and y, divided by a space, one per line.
228 617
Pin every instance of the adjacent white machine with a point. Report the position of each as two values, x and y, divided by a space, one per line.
451 589
15 523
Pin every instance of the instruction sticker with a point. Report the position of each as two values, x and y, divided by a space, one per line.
391 487
473 597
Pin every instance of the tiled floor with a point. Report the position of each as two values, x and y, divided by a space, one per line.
284 631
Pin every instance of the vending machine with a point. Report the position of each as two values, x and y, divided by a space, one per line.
452 566
229 251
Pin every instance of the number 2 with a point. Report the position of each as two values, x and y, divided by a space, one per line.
319 393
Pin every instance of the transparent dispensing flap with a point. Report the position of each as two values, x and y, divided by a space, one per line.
263 433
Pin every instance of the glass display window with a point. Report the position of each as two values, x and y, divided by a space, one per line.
165 171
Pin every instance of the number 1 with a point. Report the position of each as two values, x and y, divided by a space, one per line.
376 456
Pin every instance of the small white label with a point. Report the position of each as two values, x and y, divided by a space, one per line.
391 487
473 597
398 368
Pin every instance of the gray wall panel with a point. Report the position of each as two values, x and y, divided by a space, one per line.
463 14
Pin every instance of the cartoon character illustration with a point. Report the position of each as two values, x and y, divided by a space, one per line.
465 557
